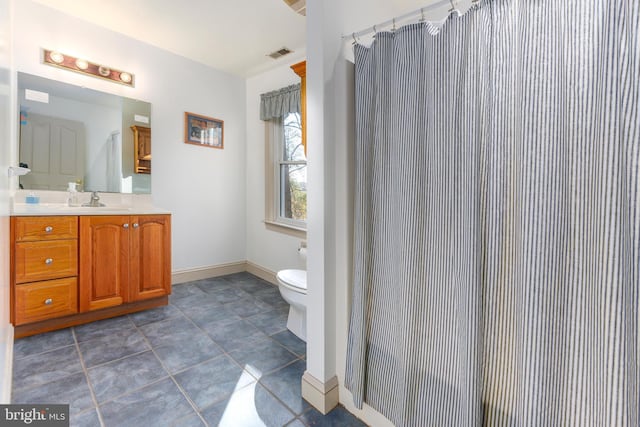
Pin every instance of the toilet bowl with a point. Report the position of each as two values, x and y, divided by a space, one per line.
293 288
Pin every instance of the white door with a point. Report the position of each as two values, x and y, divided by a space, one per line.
54 151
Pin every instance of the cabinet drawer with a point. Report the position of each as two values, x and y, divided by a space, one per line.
46 300
46 228
45 260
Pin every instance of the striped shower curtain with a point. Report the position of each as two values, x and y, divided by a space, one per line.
497 218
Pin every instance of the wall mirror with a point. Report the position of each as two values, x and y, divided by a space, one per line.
74 134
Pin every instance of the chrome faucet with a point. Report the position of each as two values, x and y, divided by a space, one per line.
94 202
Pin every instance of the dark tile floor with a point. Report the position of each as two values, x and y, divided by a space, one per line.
219 355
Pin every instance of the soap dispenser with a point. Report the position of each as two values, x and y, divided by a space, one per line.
73 199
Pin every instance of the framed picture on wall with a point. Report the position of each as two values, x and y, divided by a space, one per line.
202 130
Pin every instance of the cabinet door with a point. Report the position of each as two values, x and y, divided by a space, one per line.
150 270
104 261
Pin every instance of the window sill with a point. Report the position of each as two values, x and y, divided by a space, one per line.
286 229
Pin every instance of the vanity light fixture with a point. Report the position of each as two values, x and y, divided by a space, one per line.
56 57
125 77
82 64
79 65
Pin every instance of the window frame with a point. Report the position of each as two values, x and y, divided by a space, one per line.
273 195
279 162
271 208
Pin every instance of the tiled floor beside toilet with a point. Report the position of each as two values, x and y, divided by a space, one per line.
218 354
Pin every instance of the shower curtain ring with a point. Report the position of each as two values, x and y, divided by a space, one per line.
355 41
375 31
422 15
393 28
454 8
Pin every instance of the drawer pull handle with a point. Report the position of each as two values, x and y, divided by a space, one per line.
48 229
135 225
48 301
48 261
125 225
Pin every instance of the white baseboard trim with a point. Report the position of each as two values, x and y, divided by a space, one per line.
367 414
7 369
190 274
262 273
199 273
323 396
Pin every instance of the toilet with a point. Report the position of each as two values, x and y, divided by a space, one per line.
293 288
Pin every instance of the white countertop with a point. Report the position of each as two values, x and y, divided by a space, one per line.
55 203
46 209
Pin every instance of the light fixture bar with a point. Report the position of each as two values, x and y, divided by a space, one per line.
80 65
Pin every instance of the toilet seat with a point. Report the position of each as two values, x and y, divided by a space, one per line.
296 280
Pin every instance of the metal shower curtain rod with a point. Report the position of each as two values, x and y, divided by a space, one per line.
418 12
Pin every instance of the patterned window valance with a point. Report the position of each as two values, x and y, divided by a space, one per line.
280 102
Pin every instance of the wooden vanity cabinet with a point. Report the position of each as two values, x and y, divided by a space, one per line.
123 259
69 270
44 268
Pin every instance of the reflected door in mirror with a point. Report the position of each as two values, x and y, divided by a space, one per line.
142 149
53 149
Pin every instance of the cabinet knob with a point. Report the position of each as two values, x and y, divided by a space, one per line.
48 229
135 225
48 301
48 261
125 225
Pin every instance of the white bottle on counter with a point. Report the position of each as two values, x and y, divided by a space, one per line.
73 198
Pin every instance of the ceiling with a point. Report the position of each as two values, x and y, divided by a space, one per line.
232 36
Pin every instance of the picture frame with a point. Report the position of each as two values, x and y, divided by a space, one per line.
204 131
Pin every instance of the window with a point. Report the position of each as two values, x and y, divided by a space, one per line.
291 170
286 184
286 156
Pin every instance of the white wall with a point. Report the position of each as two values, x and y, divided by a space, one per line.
331 135
203 187
6 113
271 250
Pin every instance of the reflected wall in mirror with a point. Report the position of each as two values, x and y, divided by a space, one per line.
73 134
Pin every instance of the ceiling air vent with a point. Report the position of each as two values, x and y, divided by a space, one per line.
280 53
299 6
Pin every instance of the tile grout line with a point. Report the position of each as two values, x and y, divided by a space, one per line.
122 358
182 313
243 319
86 375
170 375
164 377
224 351
101 365
297 358
257 382
39 384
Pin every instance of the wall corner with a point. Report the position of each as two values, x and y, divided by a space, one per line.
323 396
